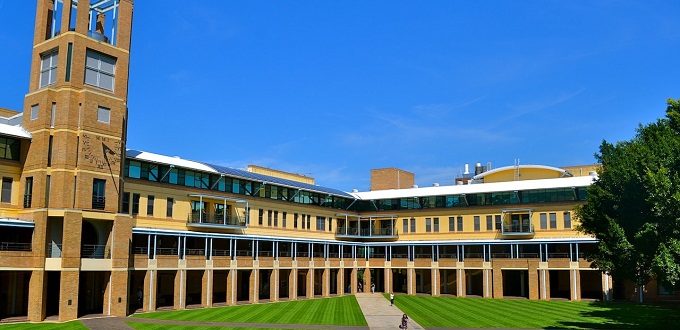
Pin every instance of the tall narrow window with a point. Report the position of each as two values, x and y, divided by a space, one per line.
35 110
98 194
452 224
53 114
276 218
405 226
48 180
49 151
428 225
295 220
100 70
499 220
48 68
269 218
309 221
476 223
413 225
553 220
135 204
149 204
6 190
170 205
489 222
125 207
567 220
543 220
435 221
320 223
260 216
104 115
460 223
69 53
283 220
28 192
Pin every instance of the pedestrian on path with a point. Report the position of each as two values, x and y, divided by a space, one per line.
372 287
391 298
404 322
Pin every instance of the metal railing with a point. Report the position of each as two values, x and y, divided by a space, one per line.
140 250
27 201
366 232
94 251
195 252
517 229
98 202
53 250
216 219
13 246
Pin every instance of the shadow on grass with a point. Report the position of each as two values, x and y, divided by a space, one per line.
627 315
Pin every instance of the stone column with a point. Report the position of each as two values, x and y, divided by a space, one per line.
68 296
207 288
533 279
497 282
180 290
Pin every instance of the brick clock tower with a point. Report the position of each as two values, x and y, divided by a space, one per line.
76 112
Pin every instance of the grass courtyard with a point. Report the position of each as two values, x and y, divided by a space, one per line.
432 312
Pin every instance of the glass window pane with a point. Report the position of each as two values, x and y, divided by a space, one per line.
91 77
106 81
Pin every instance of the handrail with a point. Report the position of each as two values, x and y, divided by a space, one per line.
94 251
216 219
14 246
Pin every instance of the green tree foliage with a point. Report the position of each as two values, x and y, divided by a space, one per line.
633 208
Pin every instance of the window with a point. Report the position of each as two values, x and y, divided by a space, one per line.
276 218
665 292
48 180
320 223
48 68
428 225
553 220
6 190
413 225
489 222
460 223
499 221
405 229
149 204
436 225
303 221
28 192
309 221
295 220
567 220
283 220
104 115
544 221
170 205
135 204
49 150
477 225
9 148
98 194
35 109
126 203
260 215
100 70
452 224
269 218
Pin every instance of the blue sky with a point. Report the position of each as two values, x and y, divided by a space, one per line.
332 89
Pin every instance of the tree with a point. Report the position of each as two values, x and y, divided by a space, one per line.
633 207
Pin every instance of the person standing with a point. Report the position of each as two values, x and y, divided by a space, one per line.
372 287
404 322
391 298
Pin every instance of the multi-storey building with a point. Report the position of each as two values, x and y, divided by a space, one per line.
88 226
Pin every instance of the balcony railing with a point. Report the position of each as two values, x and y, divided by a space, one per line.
53 250
27 201
525 228
216 219
94 251
12 246
366 232
98 202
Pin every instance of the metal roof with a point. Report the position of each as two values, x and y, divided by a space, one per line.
16 131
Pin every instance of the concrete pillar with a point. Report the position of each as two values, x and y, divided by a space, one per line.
180 290
354 281
497 282
254 282
575 284
435 281
544 283
68 295
150 291
207 288
341 282
274 285
410 280
119 292
292 284
533 280
388 280
461 282
367 280
310 283
487 277
37 291
231 287
326 282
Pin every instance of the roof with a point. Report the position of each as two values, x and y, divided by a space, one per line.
580 181
232 172
16 131
512 167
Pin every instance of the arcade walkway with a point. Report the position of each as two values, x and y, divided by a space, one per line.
379 314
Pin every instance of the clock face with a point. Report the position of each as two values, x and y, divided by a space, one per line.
101 151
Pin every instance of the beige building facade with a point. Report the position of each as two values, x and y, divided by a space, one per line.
89 226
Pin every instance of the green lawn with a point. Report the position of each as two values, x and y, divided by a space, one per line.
73 325
332 311
148 326
506 313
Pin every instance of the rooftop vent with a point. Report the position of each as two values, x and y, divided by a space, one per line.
355 190
414 186
436 184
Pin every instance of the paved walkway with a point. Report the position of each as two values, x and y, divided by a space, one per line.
377 311
379 314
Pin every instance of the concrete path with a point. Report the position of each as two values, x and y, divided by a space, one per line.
379 314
